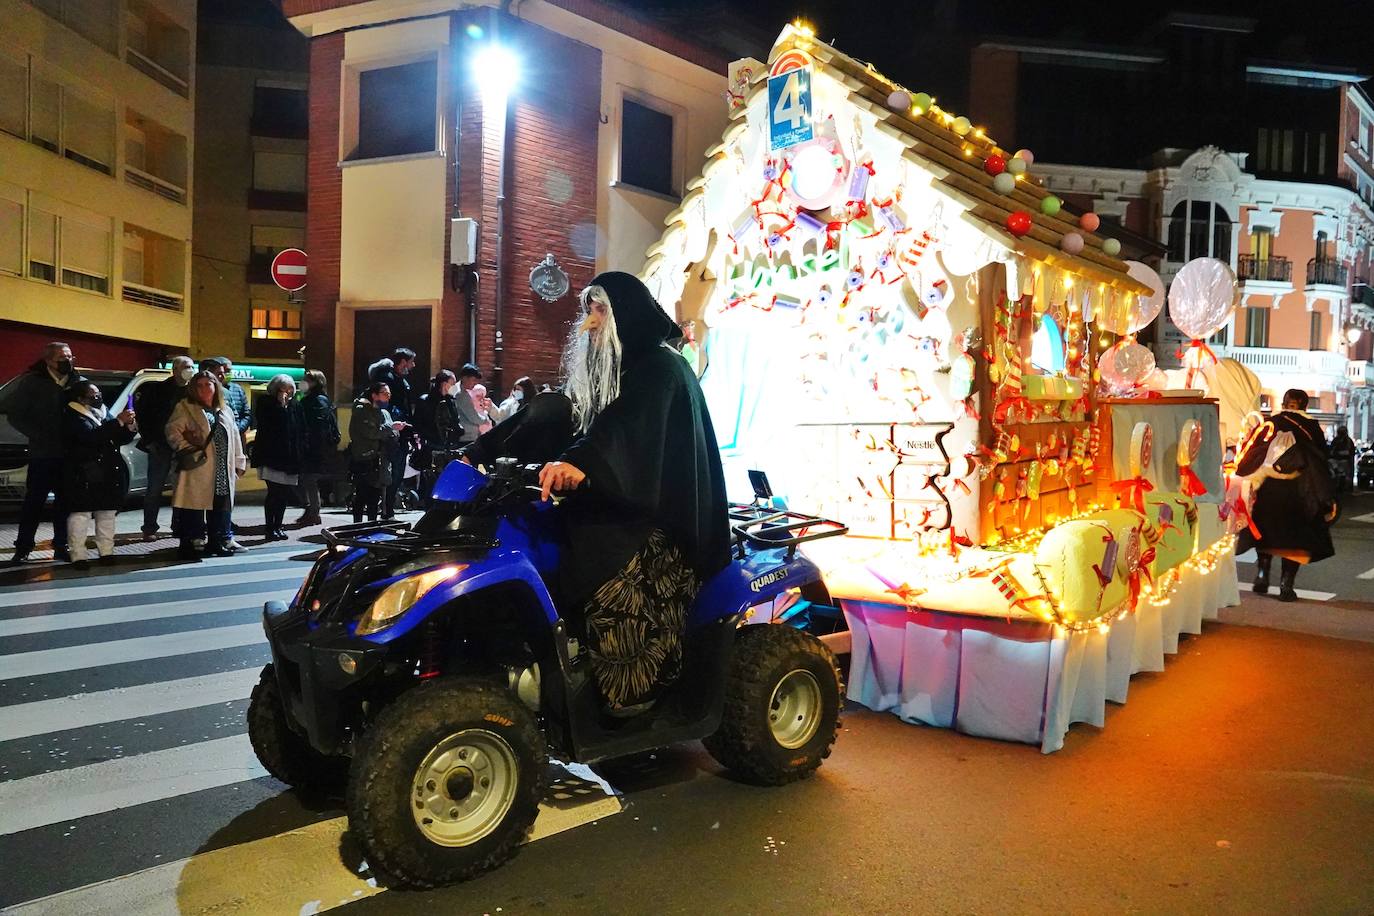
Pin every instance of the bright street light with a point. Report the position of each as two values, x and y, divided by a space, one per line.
497 71
1353 335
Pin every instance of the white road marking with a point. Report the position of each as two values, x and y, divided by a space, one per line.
1367 518
94 655
112 589
1301 592
74 620
1367 574
1248 557
299 871
69 795
213 565
23 720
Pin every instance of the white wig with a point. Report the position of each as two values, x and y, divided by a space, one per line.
591 362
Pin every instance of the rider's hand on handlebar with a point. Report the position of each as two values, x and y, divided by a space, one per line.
561 476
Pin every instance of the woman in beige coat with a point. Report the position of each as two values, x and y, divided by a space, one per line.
203 422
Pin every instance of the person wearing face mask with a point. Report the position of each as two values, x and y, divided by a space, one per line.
94 476
521 394
35 406
153 405
372 431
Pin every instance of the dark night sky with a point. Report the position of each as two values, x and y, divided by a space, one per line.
1325 31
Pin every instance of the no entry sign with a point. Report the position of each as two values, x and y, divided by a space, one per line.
288 269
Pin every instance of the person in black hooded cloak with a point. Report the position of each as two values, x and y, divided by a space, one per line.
645 521
1295 500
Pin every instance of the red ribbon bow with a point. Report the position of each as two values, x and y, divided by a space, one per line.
1133 492
1192 485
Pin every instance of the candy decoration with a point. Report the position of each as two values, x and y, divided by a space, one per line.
1125 365
1033 479
1111 247
1089 222
1004 183
1106 570
858 182
1143 309
1202 296
1016 166
1131 491
1026 156
1071 243
962 126
899 100
1189 444
1050 205
809 224
994 165
1018 223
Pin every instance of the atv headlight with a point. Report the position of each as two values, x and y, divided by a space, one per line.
398 597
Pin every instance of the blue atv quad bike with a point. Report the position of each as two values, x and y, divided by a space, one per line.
430 670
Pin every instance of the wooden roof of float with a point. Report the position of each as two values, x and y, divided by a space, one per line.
931 142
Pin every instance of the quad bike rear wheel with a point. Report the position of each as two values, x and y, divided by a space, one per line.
284 753
782 706
447 782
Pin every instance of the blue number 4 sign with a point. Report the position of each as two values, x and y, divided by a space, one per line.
789 108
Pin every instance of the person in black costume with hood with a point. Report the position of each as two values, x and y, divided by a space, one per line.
645 521
1295 499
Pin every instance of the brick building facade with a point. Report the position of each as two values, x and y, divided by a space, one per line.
380 201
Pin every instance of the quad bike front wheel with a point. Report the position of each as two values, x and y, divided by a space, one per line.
446 784
283 752
782 706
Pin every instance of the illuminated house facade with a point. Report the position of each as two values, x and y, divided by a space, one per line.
439 178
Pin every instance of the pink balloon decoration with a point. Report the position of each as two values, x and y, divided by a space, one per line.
1026 155
1071 243
1089 221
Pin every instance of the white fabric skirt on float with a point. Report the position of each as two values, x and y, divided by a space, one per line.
1021 680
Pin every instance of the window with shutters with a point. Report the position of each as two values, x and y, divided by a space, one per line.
1256 327
11 236
42 246
1316 336
274 323
85 256
87 132
14 76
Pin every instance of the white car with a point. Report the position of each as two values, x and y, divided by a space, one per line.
118 387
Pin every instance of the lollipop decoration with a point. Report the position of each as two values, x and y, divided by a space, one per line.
1189 444
1200 301
1131 491
1125 366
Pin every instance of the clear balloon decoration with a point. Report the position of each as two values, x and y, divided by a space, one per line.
1145 308
1125 365
1202 297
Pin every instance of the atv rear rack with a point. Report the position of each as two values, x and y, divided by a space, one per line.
404 540
769 528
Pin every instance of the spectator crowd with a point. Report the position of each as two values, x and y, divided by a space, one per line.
194 426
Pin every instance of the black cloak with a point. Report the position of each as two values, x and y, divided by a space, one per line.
650 457
1291 514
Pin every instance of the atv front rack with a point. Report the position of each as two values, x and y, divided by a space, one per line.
403 539
769 528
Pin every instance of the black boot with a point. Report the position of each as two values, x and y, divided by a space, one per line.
1262 563
187 551
1286 577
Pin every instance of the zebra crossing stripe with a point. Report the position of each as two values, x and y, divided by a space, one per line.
24 720
299 871
257 558
95 655
69 795
135 613
116 589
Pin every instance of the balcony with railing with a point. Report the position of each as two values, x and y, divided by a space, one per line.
1355 372
1361 293
1265 270
154 157
1326 272
154 269
157 47
1316 370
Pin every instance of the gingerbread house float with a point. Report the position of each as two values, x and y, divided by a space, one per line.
896 322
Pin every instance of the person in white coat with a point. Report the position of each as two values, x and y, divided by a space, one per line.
203 424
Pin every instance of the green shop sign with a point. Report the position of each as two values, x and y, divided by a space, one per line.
259 375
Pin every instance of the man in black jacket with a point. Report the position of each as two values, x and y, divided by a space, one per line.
35 407
394 373
153 405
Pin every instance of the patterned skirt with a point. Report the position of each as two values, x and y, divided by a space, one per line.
635 623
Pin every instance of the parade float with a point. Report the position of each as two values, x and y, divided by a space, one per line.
894 319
